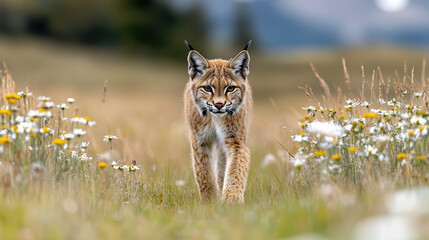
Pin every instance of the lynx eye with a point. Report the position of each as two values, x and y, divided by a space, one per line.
230 89
207 88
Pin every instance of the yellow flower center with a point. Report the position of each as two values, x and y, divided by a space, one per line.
370 115
352 149
59 141
319 153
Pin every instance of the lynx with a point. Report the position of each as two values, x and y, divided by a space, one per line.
218 108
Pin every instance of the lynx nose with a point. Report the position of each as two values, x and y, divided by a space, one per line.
219 105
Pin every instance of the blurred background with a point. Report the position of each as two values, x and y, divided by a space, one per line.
69 48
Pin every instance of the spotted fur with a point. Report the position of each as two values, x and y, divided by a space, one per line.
218 107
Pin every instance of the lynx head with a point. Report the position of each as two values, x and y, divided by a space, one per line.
218 86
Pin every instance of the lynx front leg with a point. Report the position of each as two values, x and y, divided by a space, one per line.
204 173
236 172
220 166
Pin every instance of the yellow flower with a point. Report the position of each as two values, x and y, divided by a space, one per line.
319 153
352 149
342 117
410 133
5 112
370 115
11 101
4 140
402 156
14 128
12 96
336 157
87 118
302 134
303 125
102 165
59 141
46 129
421 128
41 110
421 158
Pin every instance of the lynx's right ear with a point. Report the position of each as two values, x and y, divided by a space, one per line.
197 64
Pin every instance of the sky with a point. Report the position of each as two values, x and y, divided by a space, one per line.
292 24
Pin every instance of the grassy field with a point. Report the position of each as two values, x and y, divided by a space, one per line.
143 107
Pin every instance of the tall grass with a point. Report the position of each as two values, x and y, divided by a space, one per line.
54 185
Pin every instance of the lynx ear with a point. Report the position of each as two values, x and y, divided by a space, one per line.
240 64
197 64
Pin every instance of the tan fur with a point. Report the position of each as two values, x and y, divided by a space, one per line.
220 156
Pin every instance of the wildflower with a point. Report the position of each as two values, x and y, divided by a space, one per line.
365 104
180 183
121 167
298 163
79 132
352 149
319 153
23 94
310 109
12 96
5 111
67 136
335 168
84 157
268 159
102 165
370 115
109 138
370 150
336 157
402 156
133 168
59 142
4 140
299 138
418 120
421 158
62 106
43 99
70 100
325 128
418 94
410 133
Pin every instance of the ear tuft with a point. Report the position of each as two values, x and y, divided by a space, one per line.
247 45
240 64
189 46
197 64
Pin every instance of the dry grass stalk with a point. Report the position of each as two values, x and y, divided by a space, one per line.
380 82
362 92
321 81
387 87
397 85
307 93
105 91
372 84
412 79
340 97
423 72
8 85
404 79
347 78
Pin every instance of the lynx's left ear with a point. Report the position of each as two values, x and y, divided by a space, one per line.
240 64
